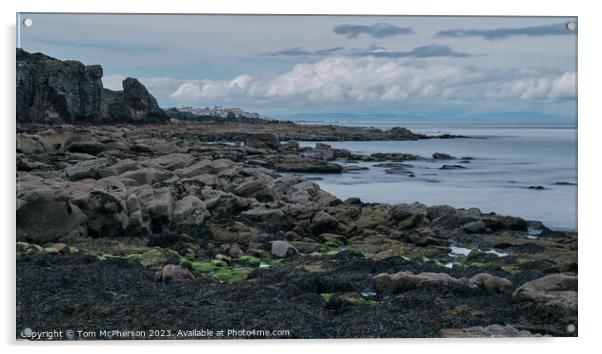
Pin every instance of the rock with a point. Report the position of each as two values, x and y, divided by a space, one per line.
391 252
30 144
399 133
212 167
475 227
491 331
135 104
442 156
262 141
174 273
141 148
283 249
91 148
61 247
307 165
147 175
172 161
263 214
52 90
250 187
538 188
452 167
492 283
323 222
47 214
404 281
555 291
189 210
157 204
107 214
291 145
505 223
234 251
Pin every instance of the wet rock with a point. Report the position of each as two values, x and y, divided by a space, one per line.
537 188
452 167
505 223
283 249
442 156
174 273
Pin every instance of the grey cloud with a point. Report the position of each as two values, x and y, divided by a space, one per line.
428 51
378 30
501 33
298 51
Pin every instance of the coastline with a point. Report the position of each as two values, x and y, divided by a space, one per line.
107 205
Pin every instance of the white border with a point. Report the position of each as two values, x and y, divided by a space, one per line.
589 166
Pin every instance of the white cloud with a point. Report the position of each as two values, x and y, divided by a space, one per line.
344 80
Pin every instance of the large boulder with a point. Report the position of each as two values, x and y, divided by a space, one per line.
283 249
323 222
554 291
47 214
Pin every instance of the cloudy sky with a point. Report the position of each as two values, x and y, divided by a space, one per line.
279 65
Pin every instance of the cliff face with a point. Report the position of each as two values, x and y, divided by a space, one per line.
52 90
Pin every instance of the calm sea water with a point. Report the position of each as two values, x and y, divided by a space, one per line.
507 159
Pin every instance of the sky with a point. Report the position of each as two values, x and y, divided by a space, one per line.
282 65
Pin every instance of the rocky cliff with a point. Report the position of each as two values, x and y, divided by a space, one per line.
52 90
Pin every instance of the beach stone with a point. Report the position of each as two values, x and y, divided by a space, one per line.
283 249
492 283
174 273
323 222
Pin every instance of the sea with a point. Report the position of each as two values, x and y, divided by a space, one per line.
505 160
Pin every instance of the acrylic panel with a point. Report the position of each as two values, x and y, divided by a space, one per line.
189 176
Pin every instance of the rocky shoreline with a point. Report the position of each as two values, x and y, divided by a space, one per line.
172 227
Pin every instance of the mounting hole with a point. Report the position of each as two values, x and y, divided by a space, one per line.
28 22
571 328
571 26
